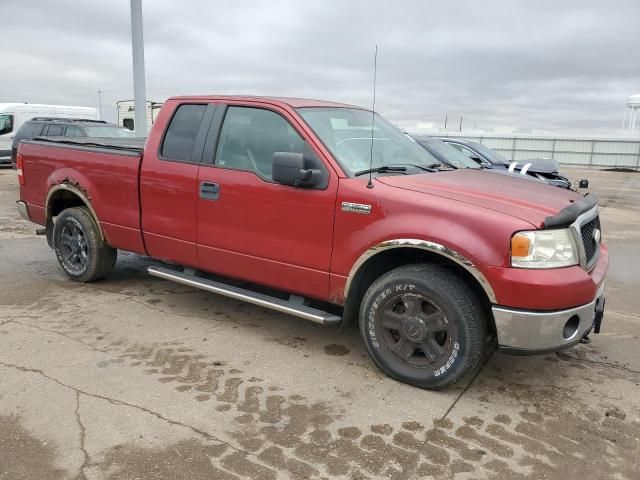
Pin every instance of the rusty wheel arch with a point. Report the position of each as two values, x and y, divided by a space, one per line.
67 191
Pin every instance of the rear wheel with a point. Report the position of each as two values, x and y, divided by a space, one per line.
422 325
79 247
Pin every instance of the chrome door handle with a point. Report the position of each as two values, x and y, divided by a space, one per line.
209 191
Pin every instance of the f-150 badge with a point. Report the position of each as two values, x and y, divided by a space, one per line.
356 208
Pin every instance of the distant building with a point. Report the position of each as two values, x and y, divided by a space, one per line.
126 113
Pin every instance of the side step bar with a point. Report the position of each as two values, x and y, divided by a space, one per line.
284 306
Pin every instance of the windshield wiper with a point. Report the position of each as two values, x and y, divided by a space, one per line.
383 169
434 167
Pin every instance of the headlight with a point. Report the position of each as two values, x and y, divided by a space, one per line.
543 249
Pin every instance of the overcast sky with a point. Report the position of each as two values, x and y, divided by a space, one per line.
565 66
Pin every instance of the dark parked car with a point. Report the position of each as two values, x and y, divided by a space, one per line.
446 154
541 168
451 157
65 127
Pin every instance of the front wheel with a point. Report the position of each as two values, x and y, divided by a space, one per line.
422 325
79 247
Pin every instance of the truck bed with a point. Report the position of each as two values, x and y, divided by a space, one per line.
104 169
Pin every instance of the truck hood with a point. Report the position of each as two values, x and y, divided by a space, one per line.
528 201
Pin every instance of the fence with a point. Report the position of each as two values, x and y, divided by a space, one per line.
591 152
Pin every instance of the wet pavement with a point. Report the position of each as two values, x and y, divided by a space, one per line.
134 377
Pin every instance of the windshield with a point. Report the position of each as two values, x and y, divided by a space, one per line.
346 132
108 131
492 155
449 154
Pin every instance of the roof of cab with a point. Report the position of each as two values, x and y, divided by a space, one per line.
281 101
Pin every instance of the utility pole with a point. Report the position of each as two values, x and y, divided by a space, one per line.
445 122
460 129
137 49
99 104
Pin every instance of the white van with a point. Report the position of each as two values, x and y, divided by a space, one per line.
13 115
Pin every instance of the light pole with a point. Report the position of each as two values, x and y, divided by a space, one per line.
99 104
137 48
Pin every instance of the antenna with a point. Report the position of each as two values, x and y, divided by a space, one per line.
373 114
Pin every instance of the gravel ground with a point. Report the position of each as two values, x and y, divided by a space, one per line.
137 378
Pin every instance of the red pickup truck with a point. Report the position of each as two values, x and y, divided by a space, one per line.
328 212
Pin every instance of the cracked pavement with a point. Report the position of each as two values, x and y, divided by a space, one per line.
137 378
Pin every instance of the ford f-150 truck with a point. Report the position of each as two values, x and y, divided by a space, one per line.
328 212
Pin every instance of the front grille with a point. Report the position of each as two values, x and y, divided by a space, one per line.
590 245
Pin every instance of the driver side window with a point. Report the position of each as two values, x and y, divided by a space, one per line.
250 136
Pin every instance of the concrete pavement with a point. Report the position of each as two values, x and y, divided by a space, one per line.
134 377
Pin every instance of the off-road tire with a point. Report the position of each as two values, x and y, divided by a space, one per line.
429 302
81 252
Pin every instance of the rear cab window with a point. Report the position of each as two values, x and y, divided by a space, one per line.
180 137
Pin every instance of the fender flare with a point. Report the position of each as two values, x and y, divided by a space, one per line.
80 194
426 245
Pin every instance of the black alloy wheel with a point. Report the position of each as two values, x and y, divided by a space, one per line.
80 247
422 324
73 248
416 330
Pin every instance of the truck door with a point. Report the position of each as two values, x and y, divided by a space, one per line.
252 228
168 183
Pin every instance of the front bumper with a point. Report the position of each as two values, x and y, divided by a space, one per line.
528 332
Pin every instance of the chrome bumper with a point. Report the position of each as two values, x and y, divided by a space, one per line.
23 210
527 332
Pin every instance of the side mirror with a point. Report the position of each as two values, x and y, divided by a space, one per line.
289 169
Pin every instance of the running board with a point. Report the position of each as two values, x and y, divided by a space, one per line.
284 306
